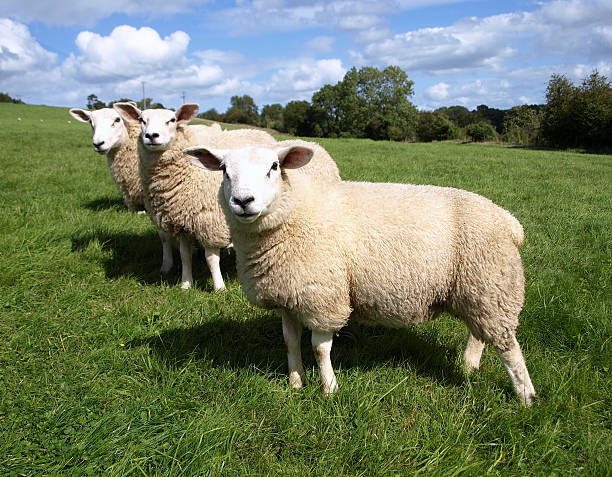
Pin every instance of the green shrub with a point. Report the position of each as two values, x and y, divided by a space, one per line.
481 132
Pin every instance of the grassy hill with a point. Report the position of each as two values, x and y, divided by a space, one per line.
107 367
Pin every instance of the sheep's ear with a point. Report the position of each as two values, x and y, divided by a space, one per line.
128 111
294 157
205 158
187 112
80 115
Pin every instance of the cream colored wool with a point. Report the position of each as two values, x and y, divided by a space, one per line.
123 164
383 254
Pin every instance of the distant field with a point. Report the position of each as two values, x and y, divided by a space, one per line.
108 368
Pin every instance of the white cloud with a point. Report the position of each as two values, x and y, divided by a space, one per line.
320 44
127 52
20 52
437 92
301 78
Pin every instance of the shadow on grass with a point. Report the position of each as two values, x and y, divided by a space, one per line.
105 203
139 256
258 343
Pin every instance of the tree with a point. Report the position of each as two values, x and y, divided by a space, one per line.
557 124
491 115
272 116
211 114
460 115
242 110
296 118
94 103
481 131
522 125
5 98
592 111
435 126
367 103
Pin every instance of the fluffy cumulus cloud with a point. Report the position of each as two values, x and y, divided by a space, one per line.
125 53
301 78
20 52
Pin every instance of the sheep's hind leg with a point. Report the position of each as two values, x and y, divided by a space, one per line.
473 353
186 249
167 258
212 260
321 344
517 370
292 333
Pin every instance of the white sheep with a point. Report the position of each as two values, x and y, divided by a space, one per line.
384 254
116 139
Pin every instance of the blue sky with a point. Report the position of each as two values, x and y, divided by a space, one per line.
498 53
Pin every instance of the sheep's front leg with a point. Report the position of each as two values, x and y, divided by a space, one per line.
167 259
292 332
186 249
321 344
212 260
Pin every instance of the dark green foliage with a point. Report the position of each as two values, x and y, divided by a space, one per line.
367 103
578 116
242 110
211 114
522 125
435 126
296 119
459 115
480 132
272 116
5 98
493 116
94 103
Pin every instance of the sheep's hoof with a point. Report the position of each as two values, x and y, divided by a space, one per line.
186 285
295 381
141 212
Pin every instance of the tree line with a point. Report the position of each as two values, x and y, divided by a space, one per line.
375 104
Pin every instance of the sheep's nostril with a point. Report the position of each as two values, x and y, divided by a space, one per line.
152 135
243 202
98 144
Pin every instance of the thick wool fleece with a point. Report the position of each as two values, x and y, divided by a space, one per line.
179 197
123 164
388 254
321 165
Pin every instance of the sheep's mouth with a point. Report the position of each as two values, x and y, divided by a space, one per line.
247 218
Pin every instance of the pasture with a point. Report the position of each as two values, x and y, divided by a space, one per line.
106 367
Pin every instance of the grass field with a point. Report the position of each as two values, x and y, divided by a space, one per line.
108 368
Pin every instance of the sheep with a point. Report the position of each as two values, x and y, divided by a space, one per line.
383 254
116 139
170 184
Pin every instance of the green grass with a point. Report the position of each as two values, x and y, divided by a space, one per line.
108 368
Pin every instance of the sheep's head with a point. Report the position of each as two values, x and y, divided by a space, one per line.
106 125
252 178
159 126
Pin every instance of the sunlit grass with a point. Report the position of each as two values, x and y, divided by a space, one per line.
107 367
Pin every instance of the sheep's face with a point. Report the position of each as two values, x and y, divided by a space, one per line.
106 126
252 179
159 126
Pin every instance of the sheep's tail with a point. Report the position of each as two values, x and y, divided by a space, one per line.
516 229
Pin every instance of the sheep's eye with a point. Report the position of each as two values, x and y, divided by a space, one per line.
141 120
117 119
274 166
173 120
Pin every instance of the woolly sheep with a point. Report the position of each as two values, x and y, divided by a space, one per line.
116 139
164 178
384 254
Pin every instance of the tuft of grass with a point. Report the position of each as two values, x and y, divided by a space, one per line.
108 367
